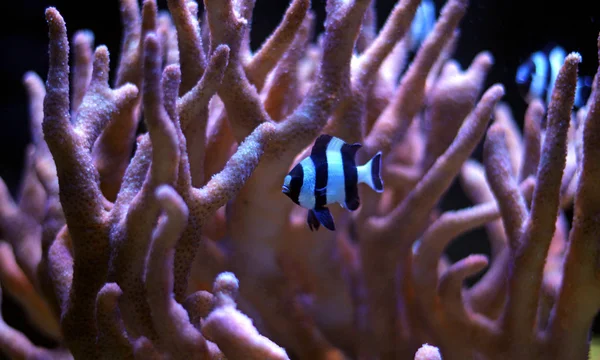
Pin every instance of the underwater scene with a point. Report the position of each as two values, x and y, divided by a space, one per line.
300 179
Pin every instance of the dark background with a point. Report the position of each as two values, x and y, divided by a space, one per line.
510 30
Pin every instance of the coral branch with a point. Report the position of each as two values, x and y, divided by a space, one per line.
581 263
274 47
529 259
21 289
189 41
396 118
113 341
16 345
499 173
177 335
233 331
193 111
531 139
83 42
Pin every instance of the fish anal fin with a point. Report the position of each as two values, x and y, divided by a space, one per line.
324 216
312 221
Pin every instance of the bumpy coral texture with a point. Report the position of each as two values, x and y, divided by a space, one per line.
188 249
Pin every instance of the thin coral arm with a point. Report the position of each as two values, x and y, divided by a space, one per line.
393 123
128 263
275 46
413 212
503 116
487 296
168 38
401 177
396 25
300 128
113 341
60 267
81 200
531 139
134 177
17 346
244 9
22 231
449 102
35 93
347 121
113 148
193 112
189 41
450 287
282 92
436 239
225 185
128 70
160 127
32 195
233 331
368 29
577 303
16 284
177 335
244 107
100 103
476 186
499 173
539 227
83 42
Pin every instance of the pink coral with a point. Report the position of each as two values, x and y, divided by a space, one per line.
188 249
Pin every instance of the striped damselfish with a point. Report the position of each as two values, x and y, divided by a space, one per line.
537 75
330 175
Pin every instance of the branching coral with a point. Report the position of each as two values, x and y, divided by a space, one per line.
139 257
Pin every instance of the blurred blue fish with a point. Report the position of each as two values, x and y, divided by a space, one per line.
422 24
536 76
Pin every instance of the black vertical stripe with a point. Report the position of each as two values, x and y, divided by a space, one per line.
320 146
375 172
350 176
297 175
319 157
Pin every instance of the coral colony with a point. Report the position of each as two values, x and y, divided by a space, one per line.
189 249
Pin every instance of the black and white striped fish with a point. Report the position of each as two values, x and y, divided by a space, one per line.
536 76
330 175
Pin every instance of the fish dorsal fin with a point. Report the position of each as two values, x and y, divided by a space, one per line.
325 217
351 149
320 146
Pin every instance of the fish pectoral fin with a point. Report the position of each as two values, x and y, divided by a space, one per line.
325 218
312 221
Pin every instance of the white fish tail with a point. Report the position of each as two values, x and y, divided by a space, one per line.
370 173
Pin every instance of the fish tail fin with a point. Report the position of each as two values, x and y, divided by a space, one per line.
370 173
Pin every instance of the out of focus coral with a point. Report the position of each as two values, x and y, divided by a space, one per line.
188 249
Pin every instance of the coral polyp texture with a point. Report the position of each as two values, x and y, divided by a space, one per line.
176 242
